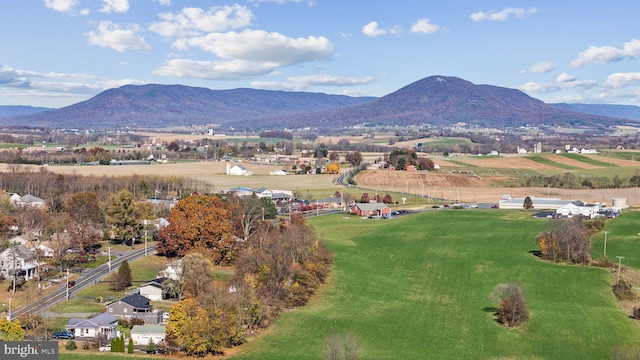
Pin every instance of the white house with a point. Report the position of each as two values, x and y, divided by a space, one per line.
172 271
238 170
20 259
30 200
538 203
144 334
103 324
590 211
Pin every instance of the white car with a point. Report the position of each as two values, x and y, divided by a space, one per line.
105 348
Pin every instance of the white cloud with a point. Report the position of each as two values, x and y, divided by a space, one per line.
372 30
116 6
164 2
110 35
492 15
424 26
539 68
280 2
607 54
213 70
61 5
617 80
196 21
299 83
564 77
267 48
564 81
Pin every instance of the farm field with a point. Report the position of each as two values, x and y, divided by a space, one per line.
417 287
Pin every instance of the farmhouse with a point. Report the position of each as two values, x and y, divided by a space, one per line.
18 259
237 170
370 209
100 325
589 211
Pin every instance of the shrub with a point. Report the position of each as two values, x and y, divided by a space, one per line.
622 290
512 308
70 345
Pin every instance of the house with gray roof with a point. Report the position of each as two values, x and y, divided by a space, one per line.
18 259
370 209
100 325
135 306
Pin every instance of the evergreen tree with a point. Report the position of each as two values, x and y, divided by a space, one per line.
130 346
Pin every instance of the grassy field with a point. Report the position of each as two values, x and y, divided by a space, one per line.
418 287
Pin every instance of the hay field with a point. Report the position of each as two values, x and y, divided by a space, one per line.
505 162
211 172
571 162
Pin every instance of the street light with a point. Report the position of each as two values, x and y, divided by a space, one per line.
605 243
619 265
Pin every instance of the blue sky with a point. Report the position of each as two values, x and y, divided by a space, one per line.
58 52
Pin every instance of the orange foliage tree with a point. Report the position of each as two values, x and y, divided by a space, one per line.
333 168
202 223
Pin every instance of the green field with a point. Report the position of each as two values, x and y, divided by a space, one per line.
418 287
546 161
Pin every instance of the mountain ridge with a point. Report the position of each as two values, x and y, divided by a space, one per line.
435 100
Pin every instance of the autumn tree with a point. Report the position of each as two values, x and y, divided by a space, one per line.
512 308
333 168
387 199
125 217
425 164
189 329
122 278
83 211
32 221
7 225
365 198
196 276
528 203
203 223
334 156
11 330
565 240
354 158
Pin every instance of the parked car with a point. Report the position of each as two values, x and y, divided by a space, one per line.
105 348
71 283
64 334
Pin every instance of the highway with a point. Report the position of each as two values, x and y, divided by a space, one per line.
88 278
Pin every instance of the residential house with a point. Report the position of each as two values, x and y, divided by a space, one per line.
370 209
589 211
238 170
172 271
153 289
135 306
144 334
100 325
30 200
18 259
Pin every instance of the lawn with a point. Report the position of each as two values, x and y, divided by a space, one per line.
418 287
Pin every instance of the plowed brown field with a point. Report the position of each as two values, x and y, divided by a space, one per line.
571 162
506 163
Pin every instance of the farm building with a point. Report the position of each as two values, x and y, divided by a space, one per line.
370 209
538 203
144 334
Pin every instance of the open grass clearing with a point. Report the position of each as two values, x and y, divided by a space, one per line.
552 162
588 160
420 284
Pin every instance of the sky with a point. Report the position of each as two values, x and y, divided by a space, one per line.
55 53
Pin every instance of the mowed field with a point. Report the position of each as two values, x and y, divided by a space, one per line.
418 287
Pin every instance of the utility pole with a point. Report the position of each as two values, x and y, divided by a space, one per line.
605 243
145 242
619 266
109 261
67 284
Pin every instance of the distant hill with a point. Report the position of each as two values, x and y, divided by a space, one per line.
162 106
441 100
619 111
435 100
13 110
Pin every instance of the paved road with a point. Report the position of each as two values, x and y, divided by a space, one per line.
88 278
